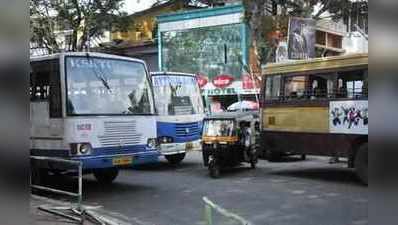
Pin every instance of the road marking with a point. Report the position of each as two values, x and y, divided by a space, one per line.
225 212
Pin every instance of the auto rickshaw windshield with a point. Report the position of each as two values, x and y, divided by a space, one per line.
218 128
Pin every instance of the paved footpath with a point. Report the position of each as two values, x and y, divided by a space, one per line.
39 217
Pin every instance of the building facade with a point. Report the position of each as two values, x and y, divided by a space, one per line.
212 43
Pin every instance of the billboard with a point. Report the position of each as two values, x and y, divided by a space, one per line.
301 39
349 117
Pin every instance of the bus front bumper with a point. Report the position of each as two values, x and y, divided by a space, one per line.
177 148
118 160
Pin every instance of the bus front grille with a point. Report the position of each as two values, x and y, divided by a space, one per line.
120 133
187 129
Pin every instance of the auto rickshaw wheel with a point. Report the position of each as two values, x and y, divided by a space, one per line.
175 159
214 169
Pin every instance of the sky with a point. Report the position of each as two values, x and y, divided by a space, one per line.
132 6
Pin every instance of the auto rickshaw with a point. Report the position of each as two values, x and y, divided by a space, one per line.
229 139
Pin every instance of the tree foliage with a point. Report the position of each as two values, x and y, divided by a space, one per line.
85 20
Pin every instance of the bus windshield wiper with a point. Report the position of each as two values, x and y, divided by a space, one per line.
104 82
99 77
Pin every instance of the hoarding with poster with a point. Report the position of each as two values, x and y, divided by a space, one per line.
301 43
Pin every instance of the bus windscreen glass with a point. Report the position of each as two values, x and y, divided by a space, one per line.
103 86
177 95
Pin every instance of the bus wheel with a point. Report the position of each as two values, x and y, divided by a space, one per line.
175 159
274 156
361 163
106 176
39 176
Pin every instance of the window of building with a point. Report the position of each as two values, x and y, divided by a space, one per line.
45 85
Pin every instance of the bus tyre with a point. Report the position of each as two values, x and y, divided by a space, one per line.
214 169
361 163
106 176
39 176
274 156
175 159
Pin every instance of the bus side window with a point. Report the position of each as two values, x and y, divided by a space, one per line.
272 87
45 85
352 84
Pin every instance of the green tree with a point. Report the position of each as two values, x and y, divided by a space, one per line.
85 19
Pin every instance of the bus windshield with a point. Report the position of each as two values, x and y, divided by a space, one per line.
177 95
104 86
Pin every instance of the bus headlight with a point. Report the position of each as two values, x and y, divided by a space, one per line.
85 149
152 143
80 149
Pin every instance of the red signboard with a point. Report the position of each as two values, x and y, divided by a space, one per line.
202 80
223 80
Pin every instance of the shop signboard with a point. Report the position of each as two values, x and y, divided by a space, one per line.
234 89
223 80
348 117
301 44
221 91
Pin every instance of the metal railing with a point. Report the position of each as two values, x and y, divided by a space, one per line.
77 212
211 206
75 163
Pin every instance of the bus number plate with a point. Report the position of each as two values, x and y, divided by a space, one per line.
120 161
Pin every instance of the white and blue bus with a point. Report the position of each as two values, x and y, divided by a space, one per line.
180 112
95 108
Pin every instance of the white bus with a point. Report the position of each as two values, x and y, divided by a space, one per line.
93 107
180 114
